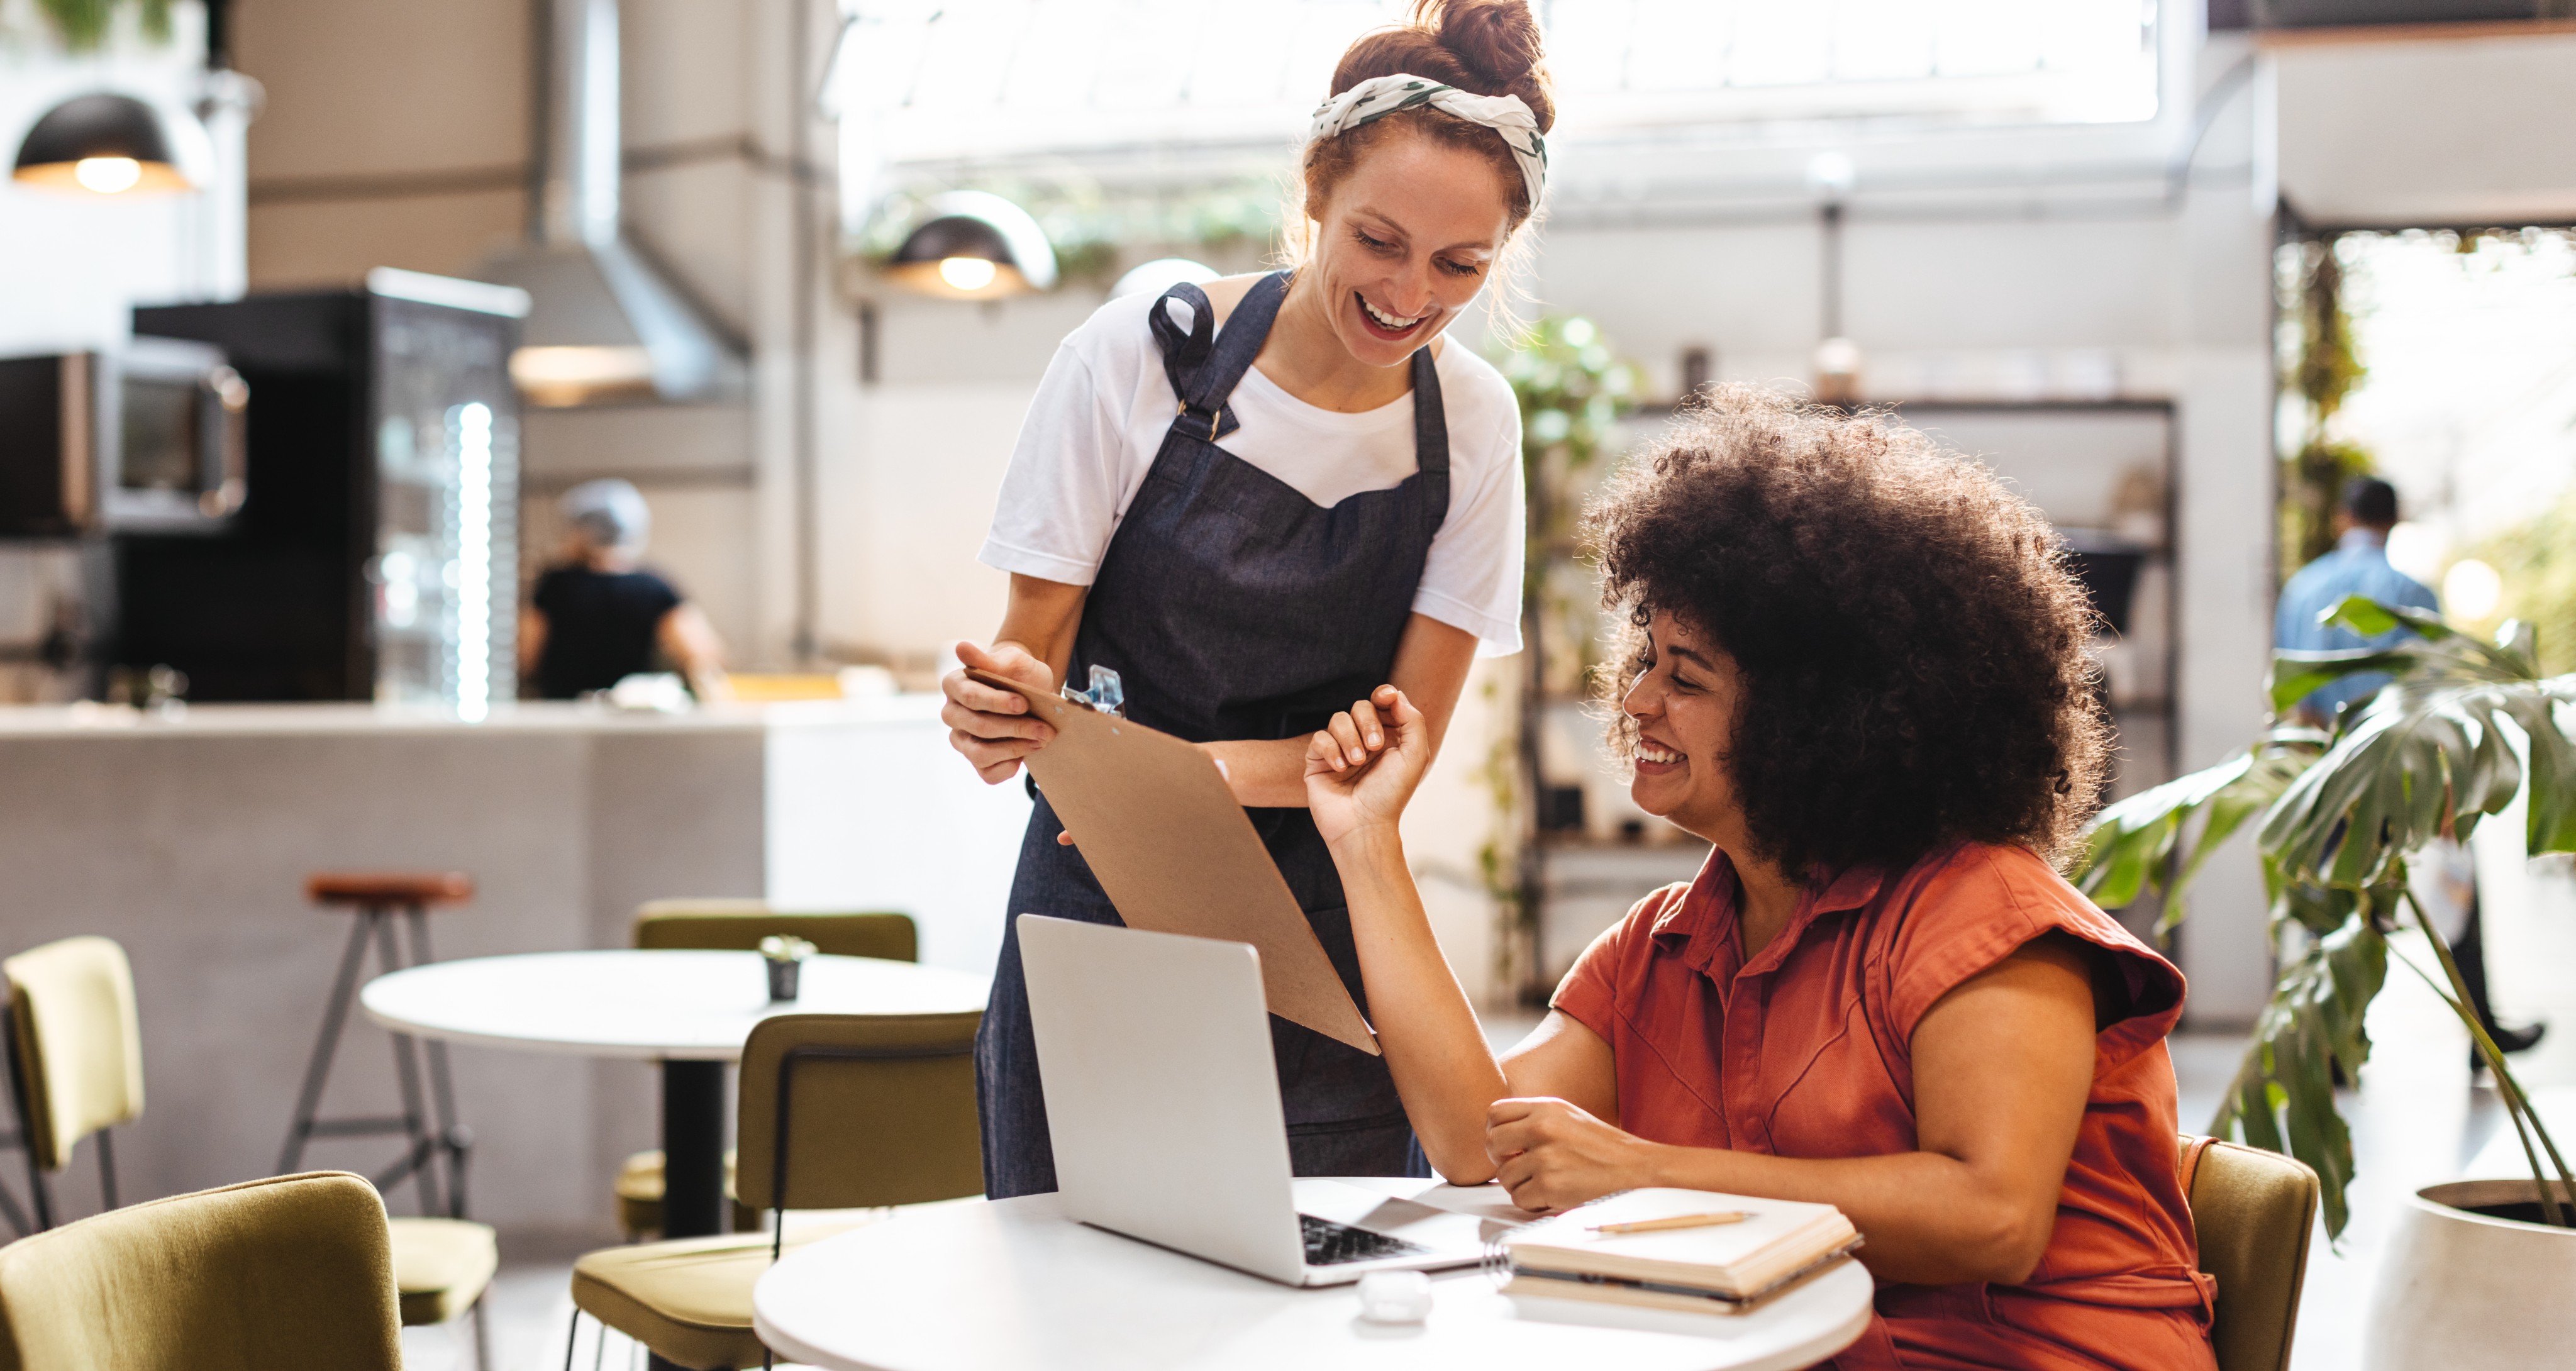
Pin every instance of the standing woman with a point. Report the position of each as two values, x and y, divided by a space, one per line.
1257 502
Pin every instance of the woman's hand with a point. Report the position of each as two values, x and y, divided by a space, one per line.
989 725
1363 766
1551 1155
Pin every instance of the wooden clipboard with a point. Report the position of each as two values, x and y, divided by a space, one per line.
1170 844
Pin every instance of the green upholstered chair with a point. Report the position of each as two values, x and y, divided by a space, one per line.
294 1271
2254 1211
837 1111
731 925
75 1058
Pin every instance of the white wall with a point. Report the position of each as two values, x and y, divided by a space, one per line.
2428 131
72 265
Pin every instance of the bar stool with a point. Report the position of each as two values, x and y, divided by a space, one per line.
377 897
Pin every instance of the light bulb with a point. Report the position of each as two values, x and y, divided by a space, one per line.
107 175
966 273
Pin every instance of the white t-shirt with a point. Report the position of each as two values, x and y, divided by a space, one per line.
1105 404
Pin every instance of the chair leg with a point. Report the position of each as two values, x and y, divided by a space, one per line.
483 1331
107 1166
572 1335
317 1072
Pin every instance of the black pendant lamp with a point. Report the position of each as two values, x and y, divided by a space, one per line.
99 144
975 247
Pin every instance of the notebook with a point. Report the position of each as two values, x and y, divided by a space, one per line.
1715 1268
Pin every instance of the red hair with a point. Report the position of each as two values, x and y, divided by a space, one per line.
1484 47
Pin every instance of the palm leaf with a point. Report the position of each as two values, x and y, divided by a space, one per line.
2426 757
2131 848
2282 1099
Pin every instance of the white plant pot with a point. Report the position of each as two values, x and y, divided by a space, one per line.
2459 1290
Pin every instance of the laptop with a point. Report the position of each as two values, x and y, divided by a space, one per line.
1163 1100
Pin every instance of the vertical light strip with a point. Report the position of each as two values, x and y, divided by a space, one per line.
474 562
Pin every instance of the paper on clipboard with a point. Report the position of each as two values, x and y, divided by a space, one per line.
1168 841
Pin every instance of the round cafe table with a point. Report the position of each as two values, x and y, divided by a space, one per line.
1012 1285
690 1011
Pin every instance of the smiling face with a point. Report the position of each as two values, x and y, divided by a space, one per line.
1683 702
1407 239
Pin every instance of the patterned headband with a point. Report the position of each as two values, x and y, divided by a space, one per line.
1380 96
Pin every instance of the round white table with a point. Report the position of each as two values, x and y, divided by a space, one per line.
690 1011
1012 1285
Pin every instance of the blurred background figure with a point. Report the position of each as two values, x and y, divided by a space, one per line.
2357 566
598 616
2446 879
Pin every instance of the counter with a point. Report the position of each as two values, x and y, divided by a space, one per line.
187 837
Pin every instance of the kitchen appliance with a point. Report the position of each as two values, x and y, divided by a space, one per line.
375 555
147 436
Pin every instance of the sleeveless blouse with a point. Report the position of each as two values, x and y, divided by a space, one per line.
1805 1052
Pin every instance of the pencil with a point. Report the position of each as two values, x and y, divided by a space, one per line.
1676 1221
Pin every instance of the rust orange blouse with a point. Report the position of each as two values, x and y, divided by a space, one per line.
1804 1052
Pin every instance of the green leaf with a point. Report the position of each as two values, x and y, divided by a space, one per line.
2295 675
2283 1096
2131 845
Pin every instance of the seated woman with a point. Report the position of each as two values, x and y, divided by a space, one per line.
1855 664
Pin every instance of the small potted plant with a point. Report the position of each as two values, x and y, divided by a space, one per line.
2477 1272
785 955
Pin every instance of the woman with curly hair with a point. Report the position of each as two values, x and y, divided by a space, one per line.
1855 665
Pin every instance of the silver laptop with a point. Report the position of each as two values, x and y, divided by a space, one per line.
1164 1104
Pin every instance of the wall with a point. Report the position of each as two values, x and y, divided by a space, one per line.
72 264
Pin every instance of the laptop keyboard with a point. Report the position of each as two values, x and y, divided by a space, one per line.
1334 1244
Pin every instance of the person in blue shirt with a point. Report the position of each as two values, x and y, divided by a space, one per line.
2359 566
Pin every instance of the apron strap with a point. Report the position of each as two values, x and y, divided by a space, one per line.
1205 364
1431 435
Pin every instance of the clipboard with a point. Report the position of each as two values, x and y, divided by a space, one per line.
1168 841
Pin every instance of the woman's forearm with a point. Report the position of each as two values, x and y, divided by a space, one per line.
1928 1219
1444 1070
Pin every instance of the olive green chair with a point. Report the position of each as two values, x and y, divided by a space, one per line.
2254 1211
293 1271
76 1061
731 925
837 1111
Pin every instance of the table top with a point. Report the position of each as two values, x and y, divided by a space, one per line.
667 1005
1012 1284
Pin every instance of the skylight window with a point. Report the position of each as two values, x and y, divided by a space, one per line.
984 77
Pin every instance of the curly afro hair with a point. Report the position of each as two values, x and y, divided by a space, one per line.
1910 641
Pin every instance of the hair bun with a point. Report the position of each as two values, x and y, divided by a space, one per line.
1498 40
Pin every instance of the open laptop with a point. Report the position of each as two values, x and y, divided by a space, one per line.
1163 1100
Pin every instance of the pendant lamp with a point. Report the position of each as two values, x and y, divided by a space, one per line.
99 144
974 247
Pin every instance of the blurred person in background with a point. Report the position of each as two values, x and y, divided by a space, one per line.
598 616
2445 877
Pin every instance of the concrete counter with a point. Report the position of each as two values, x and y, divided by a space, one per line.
187 838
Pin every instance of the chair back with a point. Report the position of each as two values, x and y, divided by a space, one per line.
76 1046
874 1109
739 925
289 1271
2254 1211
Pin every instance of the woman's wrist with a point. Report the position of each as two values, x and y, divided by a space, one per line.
1370 843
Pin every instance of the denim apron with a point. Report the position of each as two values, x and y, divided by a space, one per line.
1233 607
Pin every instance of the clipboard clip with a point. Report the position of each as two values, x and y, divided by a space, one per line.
1108 694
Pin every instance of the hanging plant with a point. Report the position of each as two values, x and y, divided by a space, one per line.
84 24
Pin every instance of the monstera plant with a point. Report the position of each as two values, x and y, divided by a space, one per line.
2337 813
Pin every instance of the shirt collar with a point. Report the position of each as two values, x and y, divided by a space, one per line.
2360 539
1697 924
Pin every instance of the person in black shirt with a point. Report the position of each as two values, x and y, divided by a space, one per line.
598 617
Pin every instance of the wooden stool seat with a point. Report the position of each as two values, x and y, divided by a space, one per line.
417 889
